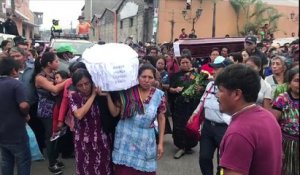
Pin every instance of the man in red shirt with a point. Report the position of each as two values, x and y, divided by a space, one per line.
213 55
252 143
183 35
83 27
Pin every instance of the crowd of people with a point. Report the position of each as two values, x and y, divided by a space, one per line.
250 100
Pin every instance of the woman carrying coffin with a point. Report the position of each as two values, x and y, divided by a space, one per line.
135 150
92 143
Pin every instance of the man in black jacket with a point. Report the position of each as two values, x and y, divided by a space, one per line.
193 34
10 26
1 26
250 46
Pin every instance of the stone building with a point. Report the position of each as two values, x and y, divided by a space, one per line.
107 25
38 20
121 19
130 20
134 18
92 10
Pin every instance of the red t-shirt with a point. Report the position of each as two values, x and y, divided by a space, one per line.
172 66
207 68
182 36
83 28
252 143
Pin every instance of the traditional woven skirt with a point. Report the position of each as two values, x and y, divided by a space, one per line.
291 155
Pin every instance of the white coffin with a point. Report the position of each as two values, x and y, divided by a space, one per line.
113 66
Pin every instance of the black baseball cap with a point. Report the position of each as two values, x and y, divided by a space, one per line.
251 39
20 40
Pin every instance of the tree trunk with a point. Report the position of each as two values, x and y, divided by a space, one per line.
214 21
172 26
172 30
237 24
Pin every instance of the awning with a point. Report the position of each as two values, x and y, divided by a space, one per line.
18 13
30 23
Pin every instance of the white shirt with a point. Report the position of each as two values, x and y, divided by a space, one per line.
270 79
211 106
264 93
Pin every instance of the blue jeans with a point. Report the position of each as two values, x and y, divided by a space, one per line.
15 152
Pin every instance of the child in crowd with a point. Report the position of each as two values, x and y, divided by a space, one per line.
60 76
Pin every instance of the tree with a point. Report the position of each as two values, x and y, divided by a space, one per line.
273 18
262 14
237 5
257 14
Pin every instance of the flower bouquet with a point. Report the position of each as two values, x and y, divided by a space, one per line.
191 92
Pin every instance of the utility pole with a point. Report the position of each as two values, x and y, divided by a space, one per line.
71 24
172 21
137 29
13 7
91 8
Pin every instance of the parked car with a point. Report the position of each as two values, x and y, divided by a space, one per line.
41 42
78 44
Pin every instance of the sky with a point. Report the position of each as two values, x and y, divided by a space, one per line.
66 11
